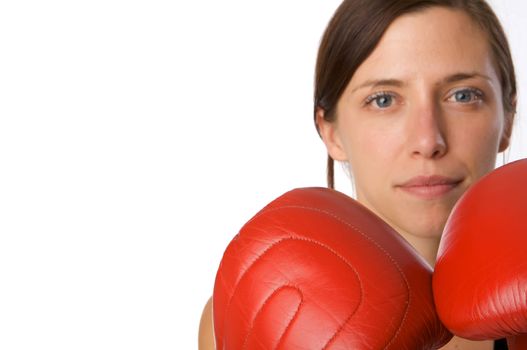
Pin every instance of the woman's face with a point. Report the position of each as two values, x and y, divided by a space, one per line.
421 120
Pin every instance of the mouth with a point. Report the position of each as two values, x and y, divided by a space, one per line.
430 187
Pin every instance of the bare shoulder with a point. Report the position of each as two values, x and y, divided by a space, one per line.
206 328
464 344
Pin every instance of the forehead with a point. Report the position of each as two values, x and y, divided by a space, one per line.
429 44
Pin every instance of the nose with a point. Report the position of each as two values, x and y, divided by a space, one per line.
426 134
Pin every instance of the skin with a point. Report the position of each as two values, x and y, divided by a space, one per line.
206 328
426 102
429 119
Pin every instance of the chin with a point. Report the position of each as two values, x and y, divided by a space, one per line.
422 221
427 228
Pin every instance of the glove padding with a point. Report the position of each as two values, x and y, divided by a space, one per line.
316 270
480 278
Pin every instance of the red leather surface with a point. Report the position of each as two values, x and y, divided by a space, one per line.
480 278
316 270
518 342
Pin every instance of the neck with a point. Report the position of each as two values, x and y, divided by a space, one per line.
426 246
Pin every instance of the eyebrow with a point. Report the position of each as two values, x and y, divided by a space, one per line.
399 83
381 82
465 76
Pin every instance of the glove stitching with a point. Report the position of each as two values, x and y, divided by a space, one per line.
274 245
403 320
263 307
333 337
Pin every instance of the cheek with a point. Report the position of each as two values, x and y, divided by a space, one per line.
372 149
480 145
378 139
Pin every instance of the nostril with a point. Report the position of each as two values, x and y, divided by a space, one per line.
438 153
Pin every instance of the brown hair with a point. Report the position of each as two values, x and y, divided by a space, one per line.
357 27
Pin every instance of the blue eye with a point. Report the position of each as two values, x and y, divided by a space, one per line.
467 96
463 96
382 100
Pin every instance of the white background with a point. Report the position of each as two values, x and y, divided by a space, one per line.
136 137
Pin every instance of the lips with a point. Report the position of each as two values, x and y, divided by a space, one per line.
430 187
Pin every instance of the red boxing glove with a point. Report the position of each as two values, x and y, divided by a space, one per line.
480 278
316 270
